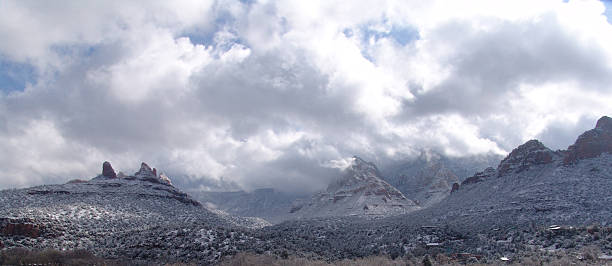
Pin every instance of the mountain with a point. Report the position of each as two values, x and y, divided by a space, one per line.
266 203
140 216
536 184
429 178
536 202
360 192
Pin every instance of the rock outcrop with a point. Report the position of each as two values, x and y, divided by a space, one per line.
165 179
146 173
108 171
19 227
480 176
591 143
531 153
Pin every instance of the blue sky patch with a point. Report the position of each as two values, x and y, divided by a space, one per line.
402 35
14 76
223 21
608 12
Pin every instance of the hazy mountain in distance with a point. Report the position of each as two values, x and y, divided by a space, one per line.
266 203
429 178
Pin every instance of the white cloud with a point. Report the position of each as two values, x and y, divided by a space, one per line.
280 93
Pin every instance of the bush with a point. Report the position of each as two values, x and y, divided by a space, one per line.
20 256
244 259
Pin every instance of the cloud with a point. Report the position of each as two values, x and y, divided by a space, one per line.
230 95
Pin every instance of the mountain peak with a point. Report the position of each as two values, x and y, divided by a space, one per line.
358 161
532 152
591 143
360 165
604 123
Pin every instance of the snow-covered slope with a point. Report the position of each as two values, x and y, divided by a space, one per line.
361 191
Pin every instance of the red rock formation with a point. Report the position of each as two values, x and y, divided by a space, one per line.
591 143
165 179
108 171
17 228
531 153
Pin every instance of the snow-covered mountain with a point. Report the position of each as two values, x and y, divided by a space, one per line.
429 178
536 184
361 192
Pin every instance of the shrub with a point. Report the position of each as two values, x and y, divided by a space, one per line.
20 256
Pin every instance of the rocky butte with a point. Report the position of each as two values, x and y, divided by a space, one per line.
108 171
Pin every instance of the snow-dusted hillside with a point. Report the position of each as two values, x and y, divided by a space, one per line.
141 216
361 192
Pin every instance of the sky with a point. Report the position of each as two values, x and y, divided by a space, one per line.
249 94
